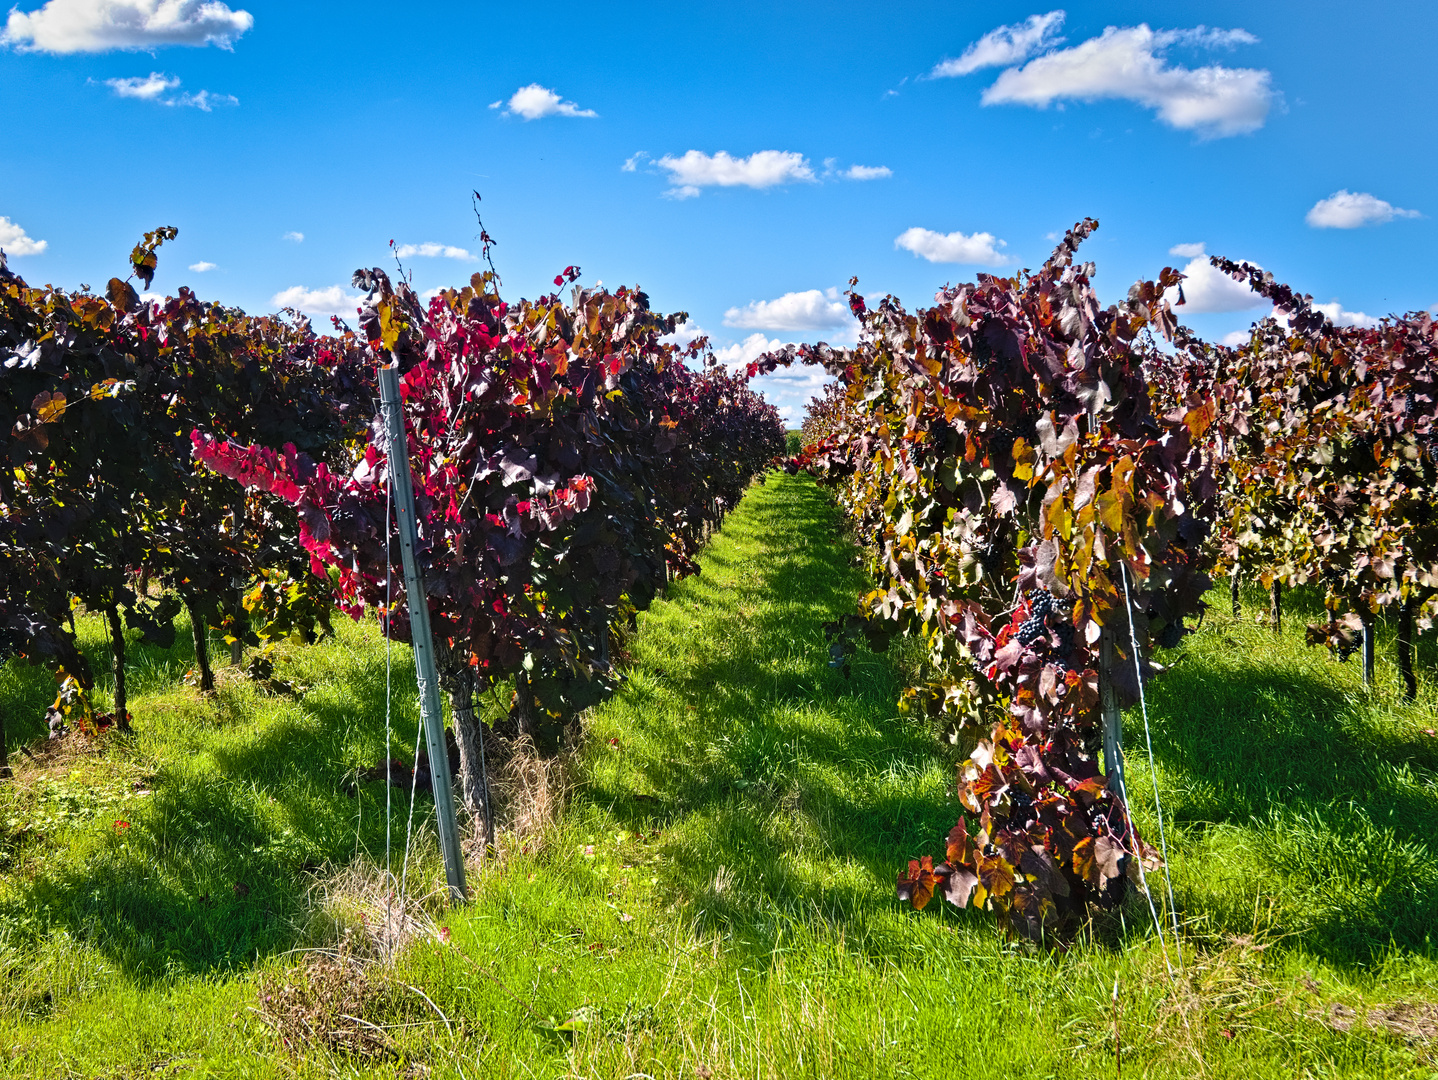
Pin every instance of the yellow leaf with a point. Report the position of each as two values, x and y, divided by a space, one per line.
1110 512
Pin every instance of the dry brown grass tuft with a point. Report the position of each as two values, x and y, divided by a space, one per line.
332 1001
360 909
529 792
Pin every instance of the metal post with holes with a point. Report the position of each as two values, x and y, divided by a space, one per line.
1112 716
421 637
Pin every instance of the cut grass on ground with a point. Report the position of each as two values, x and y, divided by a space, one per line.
717 898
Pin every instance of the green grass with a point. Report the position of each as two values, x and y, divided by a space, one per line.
717 897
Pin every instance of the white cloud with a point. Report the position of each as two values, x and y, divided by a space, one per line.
1339 317
686 332
809 310
297 237
157 84
867 172
1186 251
205 101
1128 63
1236 338
1208 290
431 250
1354 209
790 389
787 389
146 89
980 249
80 26
533 102
1007 45
13 240
747 351
633 163
328 301
202 267
763 169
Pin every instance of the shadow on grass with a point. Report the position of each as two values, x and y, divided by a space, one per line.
212 873
1338 804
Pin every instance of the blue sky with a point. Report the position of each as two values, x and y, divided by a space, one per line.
1297 136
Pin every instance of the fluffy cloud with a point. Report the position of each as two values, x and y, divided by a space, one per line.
747 351
686 332
867 172
1352 210
202 267
80 26
1007 45
146 89
1236 338
787 389
328 301
1128 63
1207 289
790 390
1186 251
13 240
809 310
762 169
534 102
980 249
296 237
157 84
430 251
1339 317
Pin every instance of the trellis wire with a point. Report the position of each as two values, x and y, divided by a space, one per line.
388 688
1153 772
1116 771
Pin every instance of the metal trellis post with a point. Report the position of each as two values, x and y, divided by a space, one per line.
1112 715
423 640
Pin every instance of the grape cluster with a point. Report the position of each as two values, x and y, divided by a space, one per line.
1021 806
1030 630
1041 605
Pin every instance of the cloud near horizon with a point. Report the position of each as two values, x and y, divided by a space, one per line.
332 300
433 251
1207 290
1339 316
63 27
808 310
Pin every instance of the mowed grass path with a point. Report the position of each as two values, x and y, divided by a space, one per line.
717 899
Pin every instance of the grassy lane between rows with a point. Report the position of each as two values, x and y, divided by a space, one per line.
716 898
